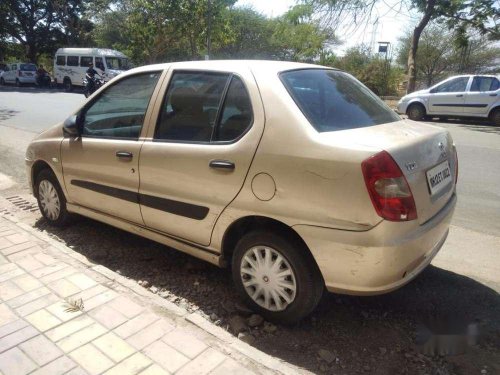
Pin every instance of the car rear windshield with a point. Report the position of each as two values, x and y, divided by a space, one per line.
28 67
333 100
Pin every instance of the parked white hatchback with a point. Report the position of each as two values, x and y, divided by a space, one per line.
459 96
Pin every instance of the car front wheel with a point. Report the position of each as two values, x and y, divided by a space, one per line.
416 112
51 200
276 276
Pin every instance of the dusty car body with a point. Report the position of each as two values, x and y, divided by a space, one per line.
234 162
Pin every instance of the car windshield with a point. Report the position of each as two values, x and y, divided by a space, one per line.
28 67
117 63
333 100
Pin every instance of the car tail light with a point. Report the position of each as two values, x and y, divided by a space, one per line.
389 191
456 164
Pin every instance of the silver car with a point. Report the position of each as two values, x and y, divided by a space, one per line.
19 74
459 96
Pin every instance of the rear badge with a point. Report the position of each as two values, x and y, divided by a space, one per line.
410 166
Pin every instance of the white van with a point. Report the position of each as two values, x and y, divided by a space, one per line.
70 64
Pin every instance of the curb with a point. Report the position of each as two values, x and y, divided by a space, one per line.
229 341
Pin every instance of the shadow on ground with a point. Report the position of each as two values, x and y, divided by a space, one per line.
373 335
6 114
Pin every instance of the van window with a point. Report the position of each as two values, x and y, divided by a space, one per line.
98 63
85 61
72 61
61 60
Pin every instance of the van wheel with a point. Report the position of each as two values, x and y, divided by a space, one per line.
495 117
416 112
276 277
68 86
51 200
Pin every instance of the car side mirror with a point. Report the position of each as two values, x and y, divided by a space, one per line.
72 126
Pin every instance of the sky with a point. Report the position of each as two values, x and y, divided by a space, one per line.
393 21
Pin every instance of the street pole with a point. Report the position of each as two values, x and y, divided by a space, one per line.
209 30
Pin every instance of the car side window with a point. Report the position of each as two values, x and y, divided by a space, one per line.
72 61
61 60
14 67
458 84
119 111
190 106
484 84
236 113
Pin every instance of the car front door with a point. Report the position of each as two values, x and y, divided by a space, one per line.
101 168
448 98
196 160
483 92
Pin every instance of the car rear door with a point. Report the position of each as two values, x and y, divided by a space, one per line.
195 161
483 92
448 98
100 168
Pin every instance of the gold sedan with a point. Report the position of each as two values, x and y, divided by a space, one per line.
295 175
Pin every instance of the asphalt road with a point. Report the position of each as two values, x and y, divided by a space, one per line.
363 332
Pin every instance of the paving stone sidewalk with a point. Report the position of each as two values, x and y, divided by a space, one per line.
61 314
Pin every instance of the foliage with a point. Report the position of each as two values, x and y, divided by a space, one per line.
41 26
443 53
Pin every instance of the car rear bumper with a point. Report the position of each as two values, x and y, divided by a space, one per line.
27 79
379 260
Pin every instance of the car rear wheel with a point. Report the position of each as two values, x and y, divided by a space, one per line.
51 200
2 81
495 117
276 276
68 86
416 112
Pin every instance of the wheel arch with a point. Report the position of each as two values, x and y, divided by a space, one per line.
37 167
496 107
416 101
247 224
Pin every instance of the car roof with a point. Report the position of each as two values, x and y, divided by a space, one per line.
230 65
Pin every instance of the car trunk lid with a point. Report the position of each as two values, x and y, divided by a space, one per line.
425 154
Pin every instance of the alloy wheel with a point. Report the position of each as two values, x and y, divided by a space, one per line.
268 278
49 200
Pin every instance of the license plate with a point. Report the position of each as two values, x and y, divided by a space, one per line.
439 177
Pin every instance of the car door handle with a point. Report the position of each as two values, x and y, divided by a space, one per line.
493 94
222 164
459 95
124 155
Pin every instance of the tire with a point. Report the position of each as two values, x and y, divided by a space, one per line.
68 86
304 276
51 199
2 81
416 112
495 117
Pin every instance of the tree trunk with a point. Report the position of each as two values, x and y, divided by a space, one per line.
412 69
